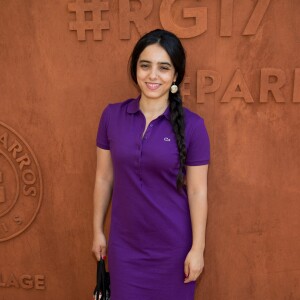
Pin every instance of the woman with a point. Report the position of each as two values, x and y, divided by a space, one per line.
153 157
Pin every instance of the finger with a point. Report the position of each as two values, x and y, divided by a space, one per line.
187 280
97 252
190 278
103 252
186 270
193 276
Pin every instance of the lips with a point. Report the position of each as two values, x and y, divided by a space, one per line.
152 86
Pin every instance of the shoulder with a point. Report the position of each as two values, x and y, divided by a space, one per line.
120 110
117 109
121 106
197 139
192 120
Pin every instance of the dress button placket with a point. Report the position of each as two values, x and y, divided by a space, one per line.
140 155
145 137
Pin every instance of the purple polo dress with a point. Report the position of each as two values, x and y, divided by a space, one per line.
150 232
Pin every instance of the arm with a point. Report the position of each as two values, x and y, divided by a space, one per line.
196 177
102 195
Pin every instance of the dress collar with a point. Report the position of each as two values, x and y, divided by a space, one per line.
133 107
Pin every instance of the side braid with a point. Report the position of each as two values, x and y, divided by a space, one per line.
178 125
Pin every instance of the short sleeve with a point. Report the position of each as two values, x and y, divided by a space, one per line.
102 140
198 147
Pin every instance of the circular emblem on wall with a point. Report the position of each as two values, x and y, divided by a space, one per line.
20 184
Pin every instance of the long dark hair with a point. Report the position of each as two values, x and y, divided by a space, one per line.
175 50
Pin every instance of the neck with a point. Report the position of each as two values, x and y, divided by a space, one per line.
153 106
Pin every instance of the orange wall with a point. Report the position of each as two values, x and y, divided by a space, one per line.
243 77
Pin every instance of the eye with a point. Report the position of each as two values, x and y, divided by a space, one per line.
164 68
144 66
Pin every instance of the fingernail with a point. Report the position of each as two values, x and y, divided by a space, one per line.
104 257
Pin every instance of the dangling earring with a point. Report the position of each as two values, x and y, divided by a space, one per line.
174 88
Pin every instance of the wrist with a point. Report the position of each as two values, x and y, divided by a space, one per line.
198 248
98 231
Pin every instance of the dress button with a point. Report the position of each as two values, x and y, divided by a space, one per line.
151 125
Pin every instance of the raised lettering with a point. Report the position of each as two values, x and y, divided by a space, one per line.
3 139
256 17
2 283
16 147
24 161
81 24
226 17
12 281
26 281
39 282
197 13
296 91
271 80
18 220
205 88
2 191
185 90
237 88
29 191
126 17
4 227
25 176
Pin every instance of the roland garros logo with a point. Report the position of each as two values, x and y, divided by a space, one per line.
20 184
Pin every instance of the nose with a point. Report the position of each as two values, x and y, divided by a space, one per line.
153 74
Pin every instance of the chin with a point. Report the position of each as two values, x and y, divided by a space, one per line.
151 96
154 95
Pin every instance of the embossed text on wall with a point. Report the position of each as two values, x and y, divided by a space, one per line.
24 281
89 16
20 184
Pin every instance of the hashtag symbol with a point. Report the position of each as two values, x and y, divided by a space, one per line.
80 7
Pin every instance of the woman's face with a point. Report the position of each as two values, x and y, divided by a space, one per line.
155 72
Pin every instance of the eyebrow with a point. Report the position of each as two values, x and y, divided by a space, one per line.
160 63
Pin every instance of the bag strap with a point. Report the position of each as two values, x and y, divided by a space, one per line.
103 276
98 288
102 289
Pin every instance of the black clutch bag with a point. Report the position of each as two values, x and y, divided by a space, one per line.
102 289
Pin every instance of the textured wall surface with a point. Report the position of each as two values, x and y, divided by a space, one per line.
61 65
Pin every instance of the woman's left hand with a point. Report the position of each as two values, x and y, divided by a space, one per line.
193 265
